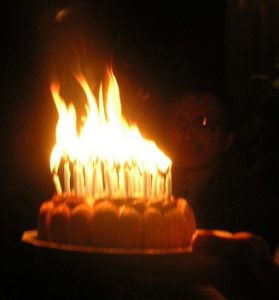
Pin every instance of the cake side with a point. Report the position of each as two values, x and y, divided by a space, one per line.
129 223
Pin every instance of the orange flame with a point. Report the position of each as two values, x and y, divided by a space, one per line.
109 157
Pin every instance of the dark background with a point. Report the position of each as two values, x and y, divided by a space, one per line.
152 47
155 47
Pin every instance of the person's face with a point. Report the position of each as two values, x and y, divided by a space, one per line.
196 132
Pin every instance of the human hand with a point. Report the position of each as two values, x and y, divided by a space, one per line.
246 269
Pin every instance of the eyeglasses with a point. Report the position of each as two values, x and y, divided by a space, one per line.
200 124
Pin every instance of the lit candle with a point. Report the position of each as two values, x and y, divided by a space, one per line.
136 179
78 179
81 179
140 184
162 187
114 182
154 186
94 180
147 184
131 183
168 184
128 181
97 180
108 182
67 177
75 178
122 182
88 179
57 183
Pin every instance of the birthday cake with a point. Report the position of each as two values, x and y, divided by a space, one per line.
113 186
117 223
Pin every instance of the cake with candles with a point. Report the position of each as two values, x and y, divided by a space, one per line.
113 186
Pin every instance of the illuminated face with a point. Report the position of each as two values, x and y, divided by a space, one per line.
197 132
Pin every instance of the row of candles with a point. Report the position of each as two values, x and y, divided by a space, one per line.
99 180
107 157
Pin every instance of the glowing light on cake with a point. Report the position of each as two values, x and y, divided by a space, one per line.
107 157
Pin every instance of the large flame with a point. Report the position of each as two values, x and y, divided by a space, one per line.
108 157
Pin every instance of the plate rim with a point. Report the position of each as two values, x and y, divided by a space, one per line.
31 237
